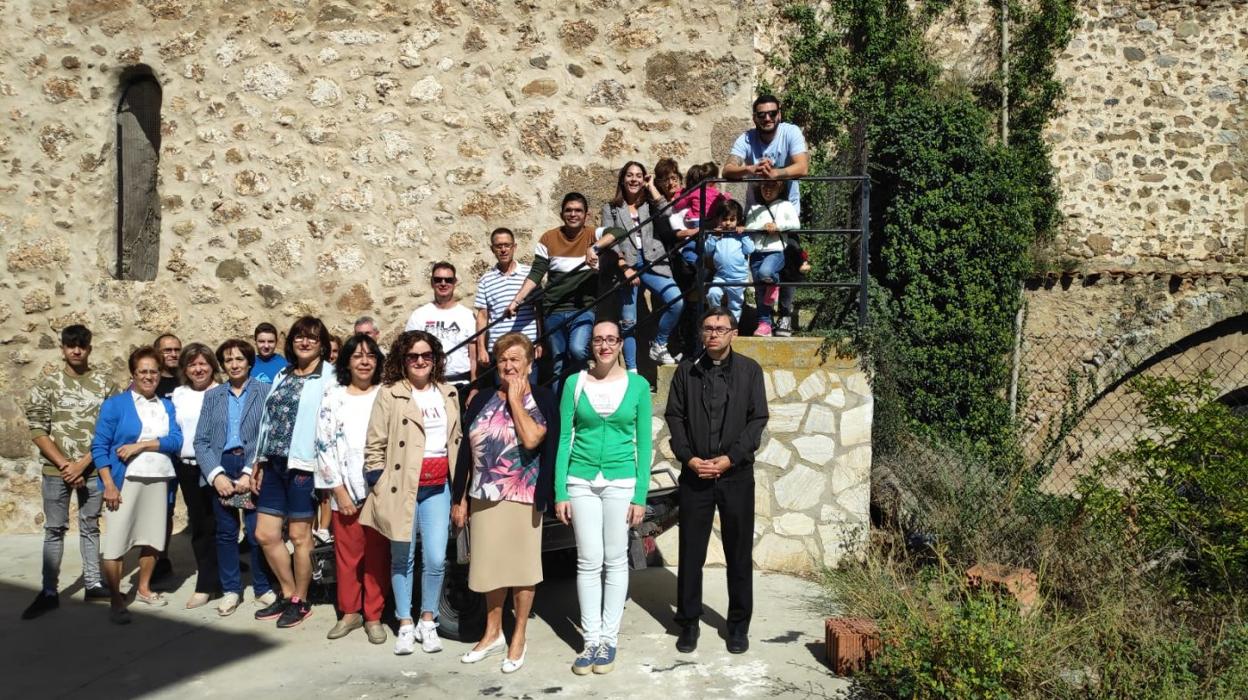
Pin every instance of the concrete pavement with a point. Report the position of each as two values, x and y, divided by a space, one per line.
176 653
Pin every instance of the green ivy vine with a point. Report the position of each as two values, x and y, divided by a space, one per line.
955 211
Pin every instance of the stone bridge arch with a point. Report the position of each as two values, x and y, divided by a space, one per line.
1111 418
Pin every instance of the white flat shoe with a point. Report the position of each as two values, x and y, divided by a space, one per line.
497 646
510 666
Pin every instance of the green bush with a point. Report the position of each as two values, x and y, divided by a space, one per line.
955 211
1181 492
959 649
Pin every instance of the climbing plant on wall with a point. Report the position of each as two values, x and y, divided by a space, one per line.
955 210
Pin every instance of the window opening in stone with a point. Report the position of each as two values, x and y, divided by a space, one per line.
138 156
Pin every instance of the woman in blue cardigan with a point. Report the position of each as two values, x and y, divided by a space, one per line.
136 437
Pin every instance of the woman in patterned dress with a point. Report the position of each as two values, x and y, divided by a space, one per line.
504 484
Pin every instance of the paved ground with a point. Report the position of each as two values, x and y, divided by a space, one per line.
173 652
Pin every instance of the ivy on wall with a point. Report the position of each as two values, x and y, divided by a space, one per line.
955 211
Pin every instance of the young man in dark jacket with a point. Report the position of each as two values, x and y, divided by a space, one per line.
716 412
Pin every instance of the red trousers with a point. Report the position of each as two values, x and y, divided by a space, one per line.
362 556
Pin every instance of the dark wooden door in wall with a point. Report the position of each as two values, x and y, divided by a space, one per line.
138 203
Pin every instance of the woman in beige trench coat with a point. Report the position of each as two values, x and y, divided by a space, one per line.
409 456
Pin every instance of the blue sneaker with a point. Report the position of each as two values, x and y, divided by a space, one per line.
585 662
604 660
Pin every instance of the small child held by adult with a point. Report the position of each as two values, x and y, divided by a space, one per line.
728 250
767 221
691 204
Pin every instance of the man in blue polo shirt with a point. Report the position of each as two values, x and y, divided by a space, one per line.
772 149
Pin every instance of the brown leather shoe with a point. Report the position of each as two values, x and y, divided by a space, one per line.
348 624
376 632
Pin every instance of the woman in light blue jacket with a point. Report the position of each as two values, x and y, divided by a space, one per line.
136 436
286 464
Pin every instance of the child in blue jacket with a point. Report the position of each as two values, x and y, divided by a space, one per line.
728 250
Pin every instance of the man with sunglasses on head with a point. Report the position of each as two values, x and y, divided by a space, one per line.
716 413
451 323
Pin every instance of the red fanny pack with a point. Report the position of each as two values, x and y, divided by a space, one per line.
433 471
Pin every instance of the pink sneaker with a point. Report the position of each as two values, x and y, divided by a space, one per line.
764 328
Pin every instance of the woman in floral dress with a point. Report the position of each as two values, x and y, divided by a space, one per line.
504 485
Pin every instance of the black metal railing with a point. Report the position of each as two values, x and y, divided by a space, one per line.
859 285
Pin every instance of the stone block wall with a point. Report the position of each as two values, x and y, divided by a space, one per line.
317 155
1151 148
813 470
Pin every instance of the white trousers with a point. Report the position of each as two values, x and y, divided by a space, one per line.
600 522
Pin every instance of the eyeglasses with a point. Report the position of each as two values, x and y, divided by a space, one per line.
444 280
714 331
307 341
607 340
414 357
767 114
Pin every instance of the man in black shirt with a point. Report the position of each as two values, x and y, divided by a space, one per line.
716 412
170 350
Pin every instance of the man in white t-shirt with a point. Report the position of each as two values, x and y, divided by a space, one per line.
452 324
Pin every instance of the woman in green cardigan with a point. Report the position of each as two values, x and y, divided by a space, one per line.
602 472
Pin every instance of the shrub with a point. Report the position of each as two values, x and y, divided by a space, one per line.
1182 490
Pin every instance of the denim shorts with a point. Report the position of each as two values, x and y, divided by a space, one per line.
286 492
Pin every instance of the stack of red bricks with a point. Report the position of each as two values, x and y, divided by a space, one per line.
851 644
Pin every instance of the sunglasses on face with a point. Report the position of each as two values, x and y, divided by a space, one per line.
414 357
444 280
766 114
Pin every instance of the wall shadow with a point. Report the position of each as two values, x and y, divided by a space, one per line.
76 651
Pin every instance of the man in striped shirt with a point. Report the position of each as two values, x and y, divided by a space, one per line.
571 286
496 290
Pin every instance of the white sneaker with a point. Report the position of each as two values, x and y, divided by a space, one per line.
427 635
228 604
659 354
406 642
323 536
265 600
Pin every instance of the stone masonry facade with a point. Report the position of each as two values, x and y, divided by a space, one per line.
317 156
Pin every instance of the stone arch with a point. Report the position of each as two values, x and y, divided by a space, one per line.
1111 419
138 158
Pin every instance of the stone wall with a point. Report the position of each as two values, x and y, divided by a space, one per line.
317 155
813 471
1151 148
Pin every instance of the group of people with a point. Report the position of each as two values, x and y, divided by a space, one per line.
447 429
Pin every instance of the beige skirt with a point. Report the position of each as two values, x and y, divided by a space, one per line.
139 520
505 541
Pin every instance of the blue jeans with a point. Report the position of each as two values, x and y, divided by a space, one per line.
735 296
569 345
227 539
433 526
660 287
765 267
